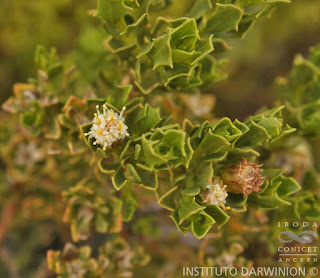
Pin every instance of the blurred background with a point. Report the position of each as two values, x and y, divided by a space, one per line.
26 24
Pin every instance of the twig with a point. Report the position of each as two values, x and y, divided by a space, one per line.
10 263
203 245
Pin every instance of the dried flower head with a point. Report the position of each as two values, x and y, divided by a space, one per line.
215 194
243 178
108 127
28 153
225 260
76 269
199 104
70 252
295 156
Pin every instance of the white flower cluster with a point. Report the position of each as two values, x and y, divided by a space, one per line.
76 269
108 127
215 194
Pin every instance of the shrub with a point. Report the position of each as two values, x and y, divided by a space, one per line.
123 143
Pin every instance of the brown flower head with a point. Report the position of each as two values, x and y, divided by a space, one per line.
70 252
244 177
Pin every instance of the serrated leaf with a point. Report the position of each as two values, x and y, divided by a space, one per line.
185 36
307 206
187 209
225 128
201 228
210 145
162 52
151 157
148 179
169 199
119 179
272 125
226 17
288 186
146 119
112 12
203 175
199 8
254 137
217 214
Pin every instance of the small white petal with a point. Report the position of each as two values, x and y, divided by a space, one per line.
108 127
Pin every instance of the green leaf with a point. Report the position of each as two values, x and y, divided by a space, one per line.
187 209
162 52
267 202
307 206
272 125
33 118
201 227
130 204
148 179
220 45
225 128
270 6
203 175
184 57
288 186
218 215
185 36
191 191
123 99
119 179
275 191
137 150
203 49
247 3
169 199
134 172
106 167
199 8
254 137
175 138
175 218
225 18
151 157
146 119
101 223
48 61
210 144
112 12
237 202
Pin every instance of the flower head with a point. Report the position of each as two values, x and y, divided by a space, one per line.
108 128
295 156
225 260
76 269
243 178
215 194
28 153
